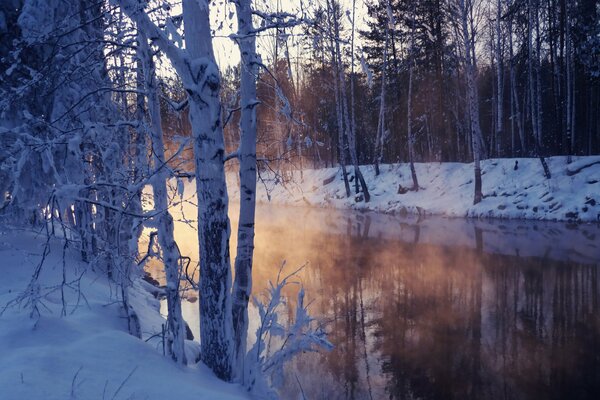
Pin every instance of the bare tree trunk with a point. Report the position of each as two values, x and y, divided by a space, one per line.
380 136
534 82
554 66
164 224
472 98
338 95
349 131
203 88
140 156
516 112
411 137
242 285
570 106
499 78
352 91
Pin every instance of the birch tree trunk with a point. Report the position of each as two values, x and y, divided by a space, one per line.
534 81
213 222
139 156
349 132
164 222
472 97
337 92
499 77
352 88
201 79
530 72
554 67
570 118
380 136
341 138
411 137
242 286
516 111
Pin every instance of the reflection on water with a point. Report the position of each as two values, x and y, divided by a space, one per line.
437 309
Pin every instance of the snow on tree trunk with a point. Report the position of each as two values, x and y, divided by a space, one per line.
139 155
164 222
203 89
200 76
242 286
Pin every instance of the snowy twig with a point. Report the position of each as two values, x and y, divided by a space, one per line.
124 382
300 336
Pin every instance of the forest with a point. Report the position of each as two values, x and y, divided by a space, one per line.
399 86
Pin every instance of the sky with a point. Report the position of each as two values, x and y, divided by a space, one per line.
224 22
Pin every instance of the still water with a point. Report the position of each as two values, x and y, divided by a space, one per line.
435 308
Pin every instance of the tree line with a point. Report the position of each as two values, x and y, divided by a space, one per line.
434 80
418 76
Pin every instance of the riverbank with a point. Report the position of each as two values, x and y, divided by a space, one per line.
88 353
572 194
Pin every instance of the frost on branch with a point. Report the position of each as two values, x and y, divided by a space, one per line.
275 343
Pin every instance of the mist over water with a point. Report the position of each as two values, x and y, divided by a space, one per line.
434 308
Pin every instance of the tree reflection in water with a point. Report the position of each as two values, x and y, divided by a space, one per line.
438 309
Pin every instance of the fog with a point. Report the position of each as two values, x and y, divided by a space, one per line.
431 308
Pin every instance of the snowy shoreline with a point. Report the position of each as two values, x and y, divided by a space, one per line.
87 352
446 189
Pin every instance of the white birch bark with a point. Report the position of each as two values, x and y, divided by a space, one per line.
534 81
163 221
516 111
242 286
530 72
200 76
337 93
411 137
352 87
538 79
499 77
570 106
348 130
213 221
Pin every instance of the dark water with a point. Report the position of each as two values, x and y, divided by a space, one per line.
437 308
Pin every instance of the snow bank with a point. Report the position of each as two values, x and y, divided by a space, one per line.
573 193
88 354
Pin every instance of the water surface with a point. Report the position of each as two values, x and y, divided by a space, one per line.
435 308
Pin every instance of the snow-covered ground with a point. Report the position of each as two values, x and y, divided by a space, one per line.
573 192
87 354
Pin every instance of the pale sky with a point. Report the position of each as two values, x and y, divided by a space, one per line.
224 22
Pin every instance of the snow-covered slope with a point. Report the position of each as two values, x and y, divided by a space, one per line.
87 354
573 192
